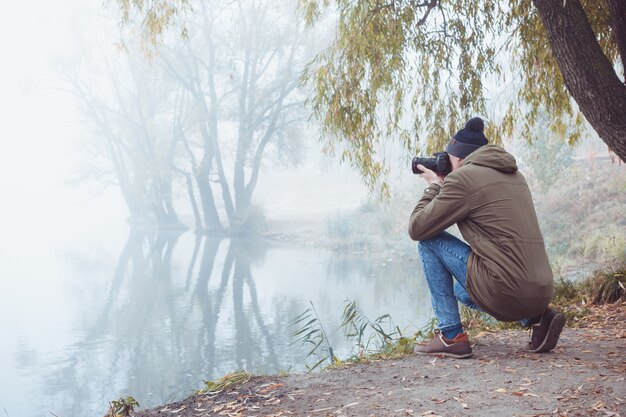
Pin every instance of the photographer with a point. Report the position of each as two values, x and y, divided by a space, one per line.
504 270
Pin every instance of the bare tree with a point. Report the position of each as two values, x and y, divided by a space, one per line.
129 108
240 70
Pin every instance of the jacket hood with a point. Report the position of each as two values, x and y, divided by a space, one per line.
494 157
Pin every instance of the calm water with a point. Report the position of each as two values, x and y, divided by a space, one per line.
153 316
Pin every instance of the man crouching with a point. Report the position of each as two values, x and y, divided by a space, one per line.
504 270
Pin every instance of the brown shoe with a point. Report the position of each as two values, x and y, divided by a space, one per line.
545 334
459 347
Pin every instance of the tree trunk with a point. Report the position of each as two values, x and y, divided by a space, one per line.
589 75
617 11
192 200
244 135
211 218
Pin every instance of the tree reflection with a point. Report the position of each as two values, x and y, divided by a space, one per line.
156 332
177 309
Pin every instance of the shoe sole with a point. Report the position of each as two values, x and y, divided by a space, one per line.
450 355
552 337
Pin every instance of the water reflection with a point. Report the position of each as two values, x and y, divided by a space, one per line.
180 308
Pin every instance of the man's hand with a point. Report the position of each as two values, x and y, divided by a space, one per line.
430 176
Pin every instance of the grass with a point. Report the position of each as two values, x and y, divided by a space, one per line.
227 381
607 287
373 342
373 339
310 331
572 298
603 286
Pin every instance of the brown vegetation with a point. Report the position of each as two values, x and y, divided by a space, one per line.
583 376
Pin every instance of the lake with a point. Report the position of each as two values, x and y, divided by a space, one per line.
87 318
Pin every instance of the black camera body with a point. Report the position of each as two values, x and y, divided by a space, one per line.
439 163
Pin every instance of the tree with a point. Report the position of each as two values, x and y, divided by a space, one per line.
239 72
130 108
449 57
415 70
209 109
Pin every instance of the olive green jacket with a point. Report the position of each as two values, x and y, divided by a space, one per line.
508 274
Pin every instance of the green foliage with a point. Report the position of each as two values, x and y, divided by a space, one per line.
414 72
441 59
122 407
310 331
603 286
359 328
156 17
373 339
427 332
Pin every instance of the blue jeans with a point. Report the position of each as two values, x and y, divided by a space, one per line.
444 257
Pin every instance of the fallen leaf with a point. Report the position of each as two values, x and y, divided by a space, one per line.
526 381
501 390
319 410
272 401
437 400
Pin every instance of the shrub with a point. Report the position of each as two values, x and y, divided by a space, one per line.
606 287
123 407
603 286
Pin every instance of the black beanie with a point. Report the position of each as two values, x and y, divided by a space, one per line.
468 139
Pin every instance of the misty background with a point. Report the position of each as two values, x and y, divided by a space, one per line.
119 280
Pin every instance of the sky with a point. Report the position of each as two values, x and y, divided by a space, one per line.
40 128
45 219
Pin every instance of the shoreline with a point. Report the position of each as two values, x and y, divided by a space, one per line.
584 374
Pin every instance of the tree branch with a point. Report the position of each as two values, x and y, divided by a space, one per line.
617 11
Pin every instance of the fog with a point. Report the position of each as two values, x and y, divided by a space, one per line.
116 279
48 139
64 231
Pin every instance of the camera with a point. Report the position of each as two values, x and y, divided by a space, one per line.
439 163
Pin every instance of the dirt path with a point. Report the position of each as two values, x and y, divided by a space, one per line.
583 376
